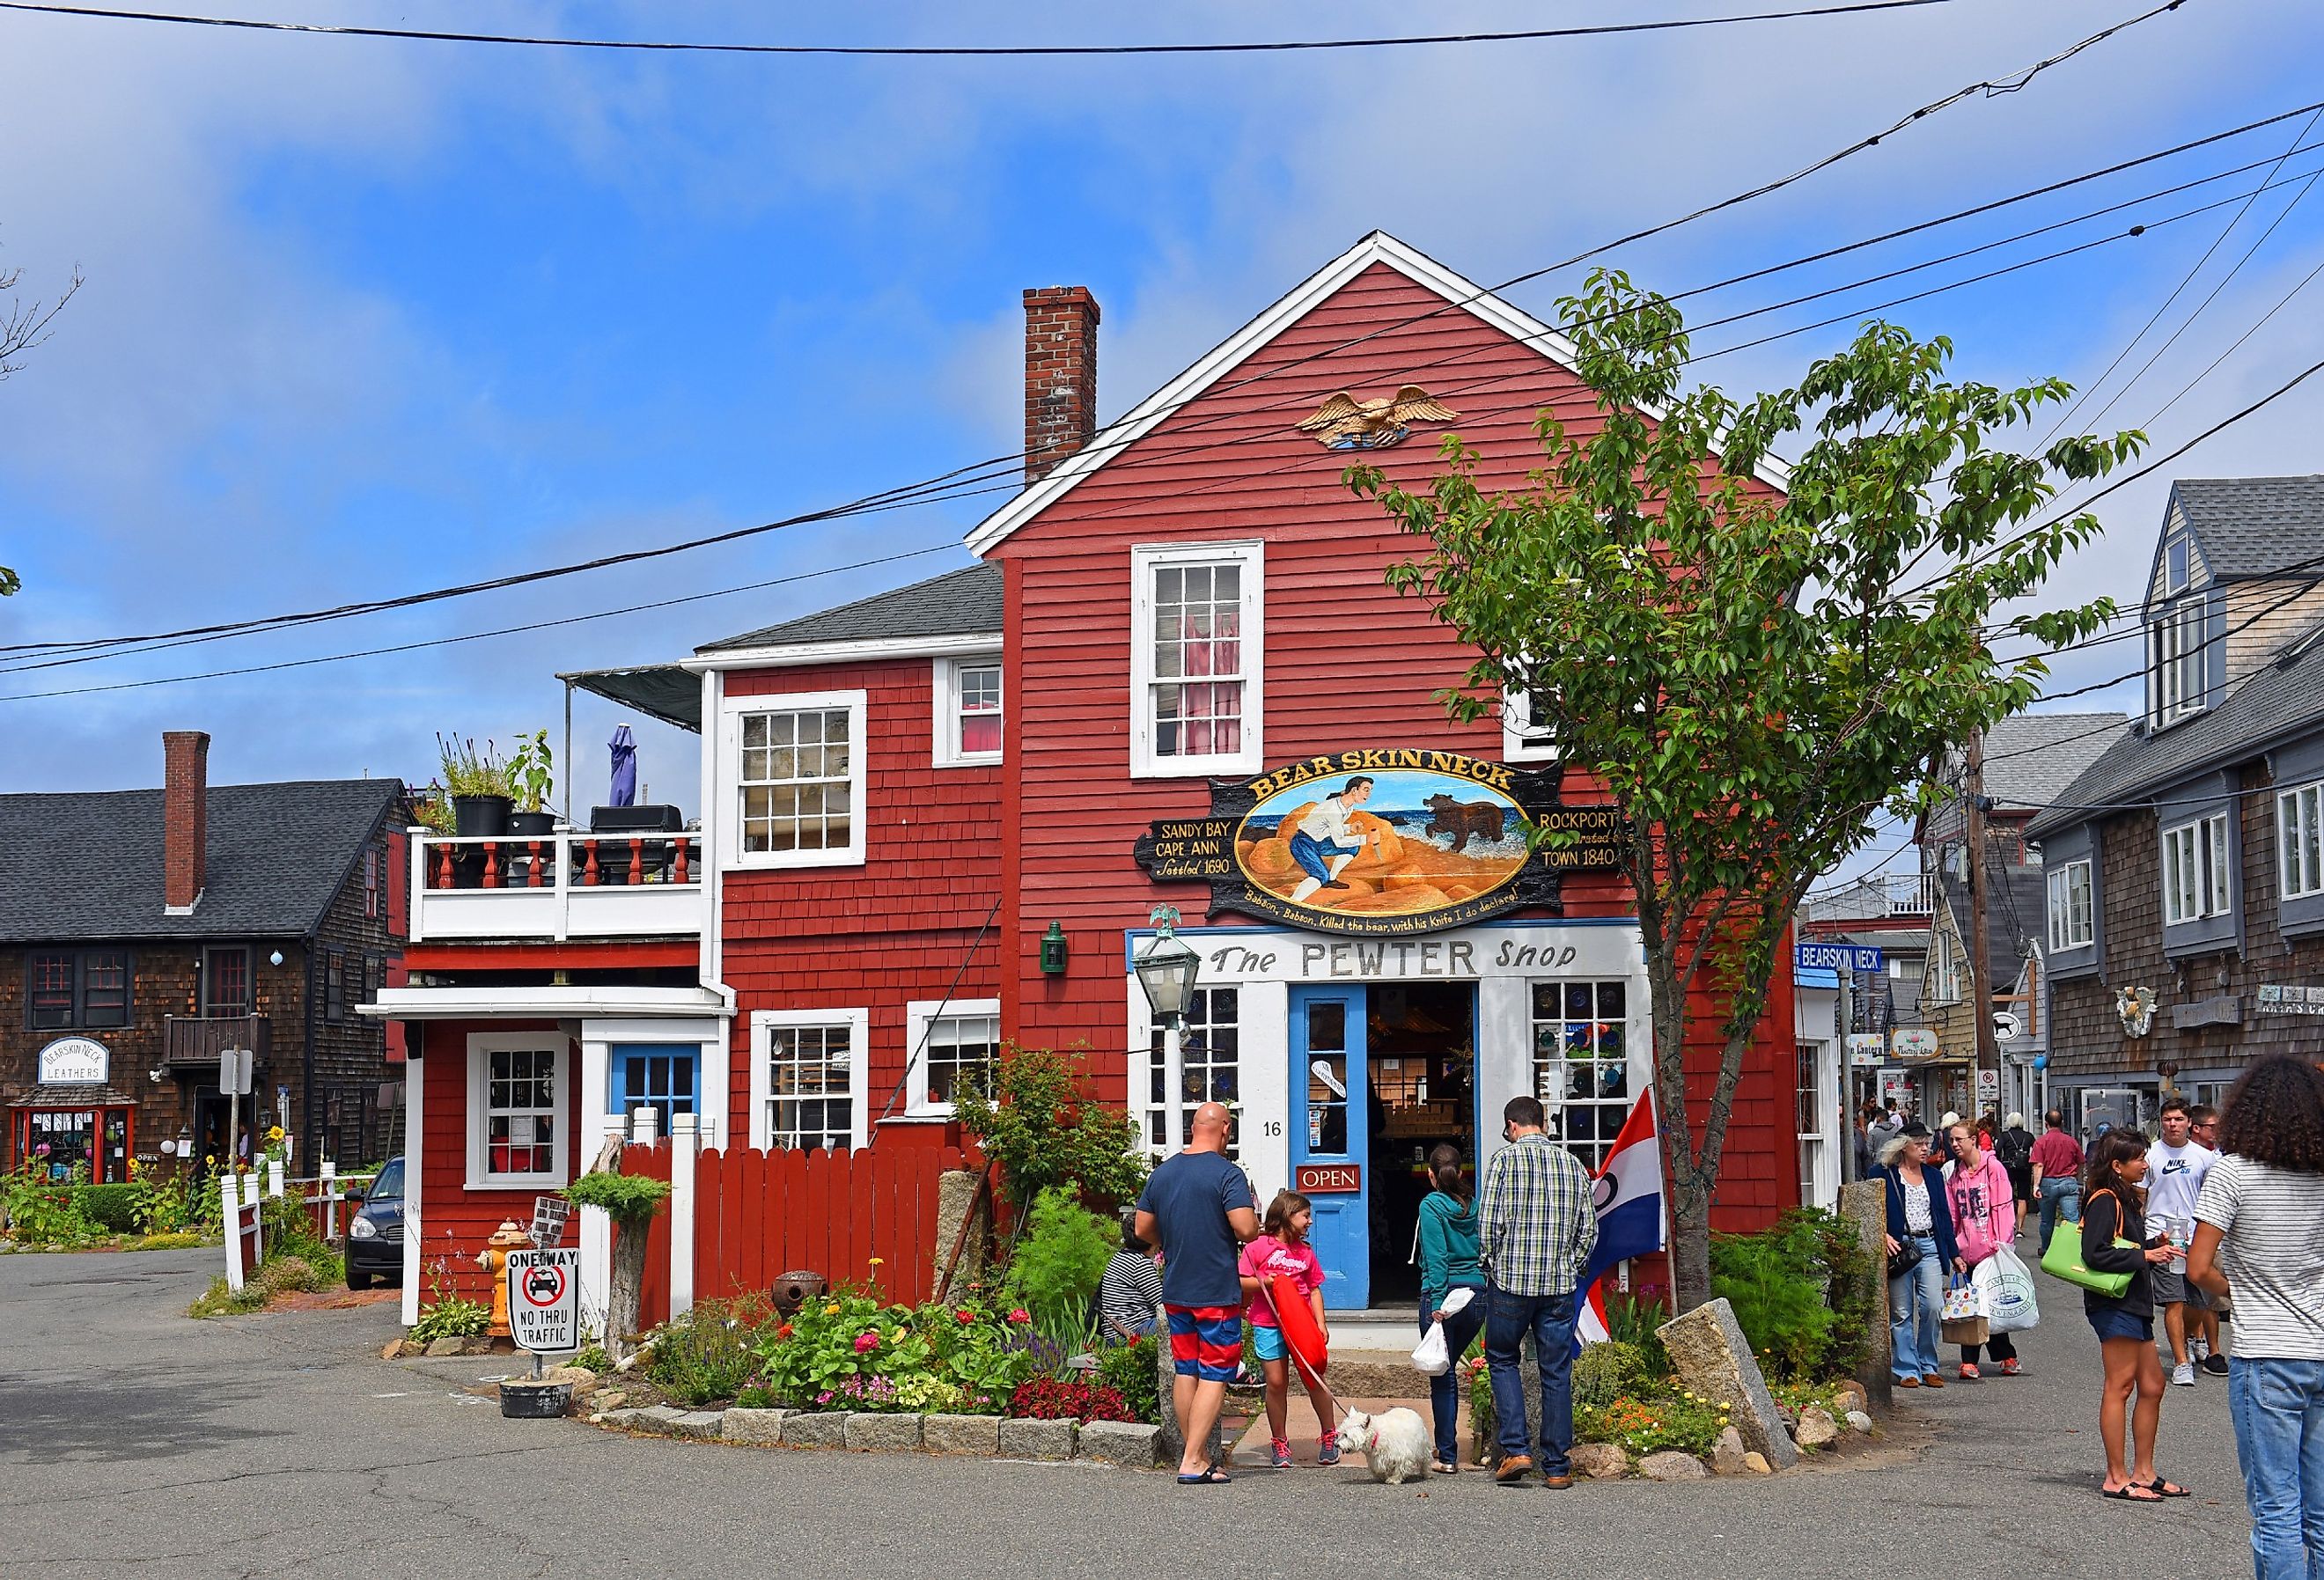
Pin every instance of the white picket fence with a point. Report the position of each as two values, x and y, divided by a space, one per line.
238 1207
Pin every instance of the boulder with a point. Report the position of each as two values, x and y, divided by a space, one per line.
1857 1421
961 1435
1600 1462
1270 858
1727 1453
1756 1464
757 1428
1670 1466
703 1424
611 1399
816 1430
1816 1428
1849 1395
869 1430
583 1380
1037 1439
1710 1355
1122 1443
447 1346
392 1348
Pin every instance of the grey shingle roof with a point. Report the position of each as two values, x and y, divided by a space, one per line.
2030 758
2253 526
2280 699
959 603
90 865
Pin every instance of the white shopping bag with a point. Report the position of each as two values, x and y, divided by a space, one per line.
2007 1292
1432 1357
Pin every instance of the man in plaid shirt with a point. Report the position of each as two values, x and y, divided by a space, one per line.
1536 1225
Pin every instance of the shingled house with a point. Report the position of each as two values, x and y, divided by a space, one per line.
142 932
2184 911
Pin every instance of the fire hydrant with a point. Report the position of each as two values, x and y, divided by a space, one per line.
493 1260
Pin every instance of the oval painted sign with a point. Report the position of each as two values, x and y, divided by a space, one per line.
75 1061
1418 846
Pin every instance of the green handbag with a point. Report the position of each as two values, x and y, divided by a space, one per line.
2063 1260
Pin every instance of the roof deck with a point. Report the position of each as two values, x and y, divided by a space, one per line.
569 884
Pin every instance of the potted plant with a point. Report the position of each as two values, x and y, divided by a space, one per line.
478 783
532 775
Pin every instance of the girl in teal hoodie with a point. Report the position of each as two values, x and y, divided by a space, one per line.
1448 1261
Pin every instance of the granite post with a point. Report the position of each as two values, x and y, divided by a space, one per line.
1710 1355
962 1205
1866 1202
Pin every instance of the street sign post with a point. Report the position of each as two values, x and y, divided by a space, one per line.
1836 957
544 1301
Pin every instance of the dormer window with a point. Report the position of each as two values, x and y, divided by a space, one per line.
2175 568
2176 661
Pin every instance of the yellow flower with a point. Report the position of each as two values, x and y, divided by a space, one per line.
831 1310
877 1261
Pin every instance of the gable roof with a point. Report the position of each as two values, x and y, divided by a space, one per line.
88 866
2280 699
2030 759
2250 527
1378 248
959 603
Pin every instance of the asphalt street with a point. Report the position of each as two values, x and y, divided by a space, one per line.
137 1442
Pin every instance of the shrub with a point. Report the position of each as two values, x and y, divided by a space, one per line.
171 1240
1130 1370
218 1300
1061 1261
450 1317
1603 1373
287 1275
42 1211
112 1207
1652 1423
1803 1291
707 1354
592 1358
1632 1319
753 1398
1041 1125
1053 1399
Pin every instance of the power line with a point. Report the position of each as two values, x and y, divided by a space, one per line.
985 51
963 472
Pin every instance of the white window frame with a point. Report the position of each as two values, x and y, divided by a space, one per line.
2196 870
1945 973
763 1023
2071 929
919 1015
2300 826
1145 559
2177 646
1520 741
482 1046
1547 1074
2185 549
945 694
731 712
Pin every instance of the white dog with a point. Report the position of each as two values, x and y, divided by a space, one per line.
1395 1444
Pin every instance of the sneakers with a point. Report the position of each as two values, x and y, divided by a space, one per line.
2010 1368
2183 1376
1281 1455
2216 1364
1970 1373
1327 1451
2197 1351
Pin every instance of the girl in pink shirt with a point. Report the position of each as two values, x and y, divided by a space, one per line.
1985 1220
1282 1251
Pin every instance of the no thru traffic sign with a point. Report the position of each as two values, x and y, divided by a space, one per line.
544 1299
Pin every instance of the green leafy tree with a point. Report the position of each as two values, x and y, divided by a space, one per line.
1041 1125
1750 680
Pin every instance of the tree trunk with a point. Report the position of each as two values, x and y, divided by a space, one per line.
1690 1251
629 1276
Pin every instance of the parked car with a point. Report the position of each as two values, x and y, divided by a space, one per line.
375 1234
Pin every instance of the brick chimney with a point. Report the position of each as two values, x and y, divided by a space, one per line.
185 818
1060 375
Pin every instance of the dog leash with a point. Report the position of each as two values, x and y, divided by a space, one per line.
1312 1378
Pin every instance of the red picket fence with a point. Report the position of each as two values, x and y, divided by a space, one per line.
757 1215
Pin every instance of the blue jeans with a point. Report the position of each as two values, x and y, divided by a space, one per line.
1460 1331
2278 1409
1550 1319
1915 1313
2060 1196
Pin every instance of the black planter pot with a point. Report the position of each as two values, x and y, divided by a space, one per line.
532 825
481 816
535 1401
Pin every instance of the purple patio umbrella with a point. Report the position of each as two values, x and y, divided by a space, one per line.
625 768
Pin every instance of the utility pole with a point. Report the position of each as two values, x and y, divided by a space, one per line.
1988 1051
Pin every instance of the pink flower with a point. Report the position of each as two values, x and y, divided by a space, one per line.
1020 1315
865 1343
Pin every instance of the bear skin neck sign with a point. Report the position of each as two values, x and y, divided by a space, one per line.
1382 842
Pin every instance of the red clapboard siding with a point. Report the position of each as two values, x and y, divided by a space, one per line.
455 1221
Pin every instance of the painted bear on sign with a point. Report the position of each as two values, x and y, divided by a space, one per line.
1460 820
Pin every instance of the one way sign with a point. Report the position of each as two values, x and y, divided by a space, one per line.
544 1300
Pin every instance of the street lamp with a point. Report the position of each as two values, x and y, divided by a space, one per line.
1167 968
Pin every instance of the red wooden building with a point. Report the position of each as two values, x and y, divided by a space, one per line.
1177 677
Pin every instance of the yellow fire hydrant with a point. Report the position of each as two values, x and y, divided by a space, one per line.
493 1260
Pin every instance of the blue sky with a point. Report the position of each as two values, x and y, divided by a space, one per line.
364 318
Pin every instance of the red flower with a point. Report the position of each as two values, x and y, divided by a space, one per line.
966 1317
1020 1316
865 1343
784 1331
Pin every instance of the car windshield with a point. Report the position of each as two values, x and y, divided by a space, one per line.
389 1186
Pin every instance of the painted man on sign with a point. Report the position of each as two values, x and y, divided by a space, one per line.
1325 840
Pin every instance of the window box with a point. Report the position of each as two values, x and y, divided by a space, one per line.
1197 659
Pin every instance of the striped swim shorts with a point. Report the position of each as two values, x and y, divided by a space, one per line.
1205 1341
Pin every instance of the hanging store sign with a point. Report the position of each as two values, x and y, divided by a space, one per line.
75 1061
1914 1043
1865 1050
1383 841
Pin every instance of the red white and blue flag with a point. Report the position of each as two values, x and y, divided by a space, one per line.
1630 1213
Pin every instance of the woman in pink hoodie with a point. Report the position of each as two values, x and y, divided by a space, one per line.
1985 1220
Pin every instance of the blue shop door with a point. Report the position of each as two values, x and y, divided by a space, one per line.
1329 1149
662 1076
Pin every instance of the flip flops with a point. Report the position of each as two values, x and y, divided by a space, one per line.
2163 1486
1212 1476
2125 1494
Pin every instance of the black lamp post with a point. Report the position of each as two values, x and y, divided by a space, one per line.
1166 969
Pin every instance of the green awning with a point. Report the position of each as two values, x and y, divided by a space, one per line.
665 692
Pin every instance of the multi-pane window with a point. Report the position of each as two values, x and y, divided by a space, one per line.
1525 735
85 988
335 986
2177 644
2072 923
659 1078
2195 870
1580 1063
2299 824
811 1086
520 1110
1210 1053
976 709
797 778
1198 677
371 884
1946 988
225 982
960 1053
